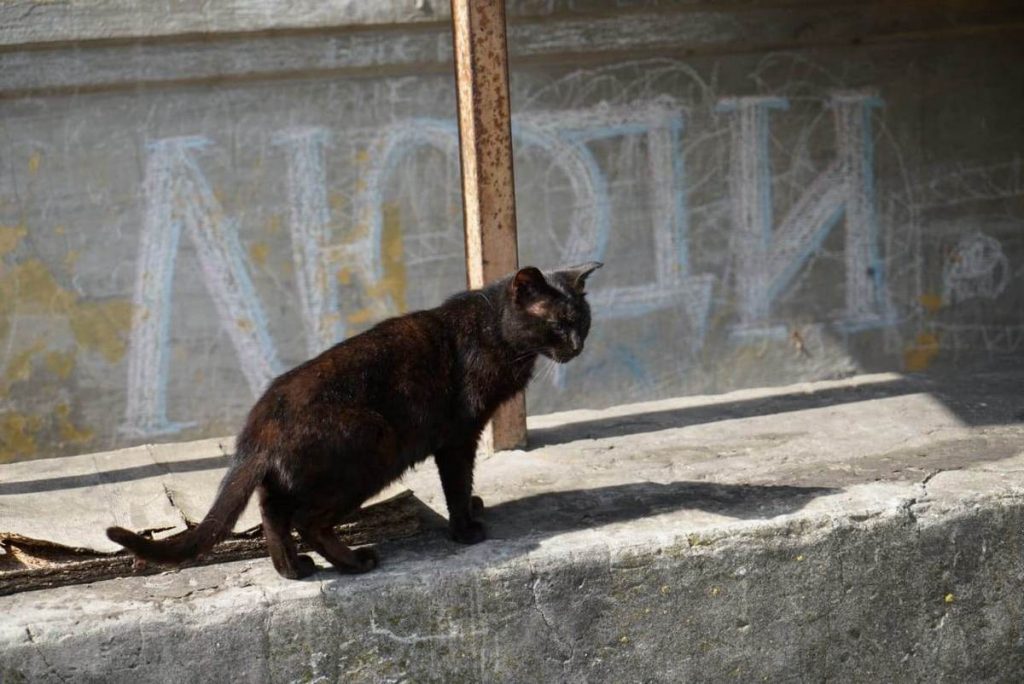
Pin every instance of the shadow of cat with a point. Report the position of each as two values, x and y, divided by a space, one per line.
552 513
519 526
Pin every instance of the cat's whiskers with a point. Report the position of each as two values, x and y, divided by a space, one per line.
549 370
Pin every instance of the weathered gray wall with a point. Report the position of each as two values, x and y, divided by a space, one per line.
193 202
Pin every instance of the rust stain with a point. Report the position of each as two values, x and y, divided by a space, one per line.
798 342
33 163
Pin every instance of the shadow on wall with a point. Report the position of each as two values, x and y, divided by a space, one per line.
110 476
988 395
617 426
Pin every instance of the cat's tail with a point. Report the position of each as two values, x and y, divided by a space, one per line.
235 489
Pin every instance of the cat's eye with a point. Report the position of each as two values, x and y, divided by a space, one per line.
562 328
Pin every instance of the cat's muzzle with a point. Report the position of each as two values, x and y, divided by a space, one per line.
565 355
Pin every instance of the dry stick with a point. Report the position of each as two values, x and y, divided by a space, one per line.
32 564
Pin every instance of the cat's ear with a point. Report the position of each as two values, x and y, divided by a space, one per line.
529 289
577 275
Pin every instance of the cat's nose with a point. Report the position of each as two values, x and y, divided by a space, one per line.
575 343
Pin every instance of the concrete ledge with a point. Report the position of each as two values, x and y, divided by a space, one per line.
864 530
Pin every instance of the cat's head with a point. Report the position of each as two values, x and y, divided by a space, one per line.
550 310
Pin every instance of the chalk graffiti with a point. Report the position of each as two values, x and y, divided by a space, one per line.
308 224
768 257
994 339
757 225
178 197
977 267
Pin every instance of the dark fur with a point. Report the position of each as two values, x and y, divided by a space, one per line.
331 433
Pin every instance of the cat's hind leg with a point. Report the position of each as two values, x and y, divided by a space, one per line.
358 457
325 541
278 535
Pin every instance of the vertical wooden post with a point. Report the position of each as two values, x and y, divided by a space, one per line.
488 192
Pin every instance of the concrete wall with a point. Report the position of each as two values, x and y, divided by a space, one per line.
193 201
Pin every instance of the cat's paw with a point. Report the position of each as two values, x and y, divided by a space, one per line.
367 559
476 505
305 567
471 532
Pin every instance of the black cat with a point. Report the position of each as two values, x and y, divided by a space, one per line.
331 433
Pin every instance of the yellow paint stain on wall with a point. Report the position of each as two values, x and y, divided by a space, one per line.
33 163
10 237
258 253
389 292
17 436
924 350
930 301
30 288
60 364
392 256
361 316
274 224
69 432
330 320
19 366
102 327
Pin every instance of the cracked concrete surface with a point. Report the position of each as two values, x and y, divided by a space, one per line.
868 529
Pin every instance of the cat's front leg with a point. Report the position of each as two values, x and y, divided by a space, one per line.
456 469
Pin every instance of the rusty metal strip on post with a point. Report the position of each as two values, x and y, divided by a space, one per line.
488 192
